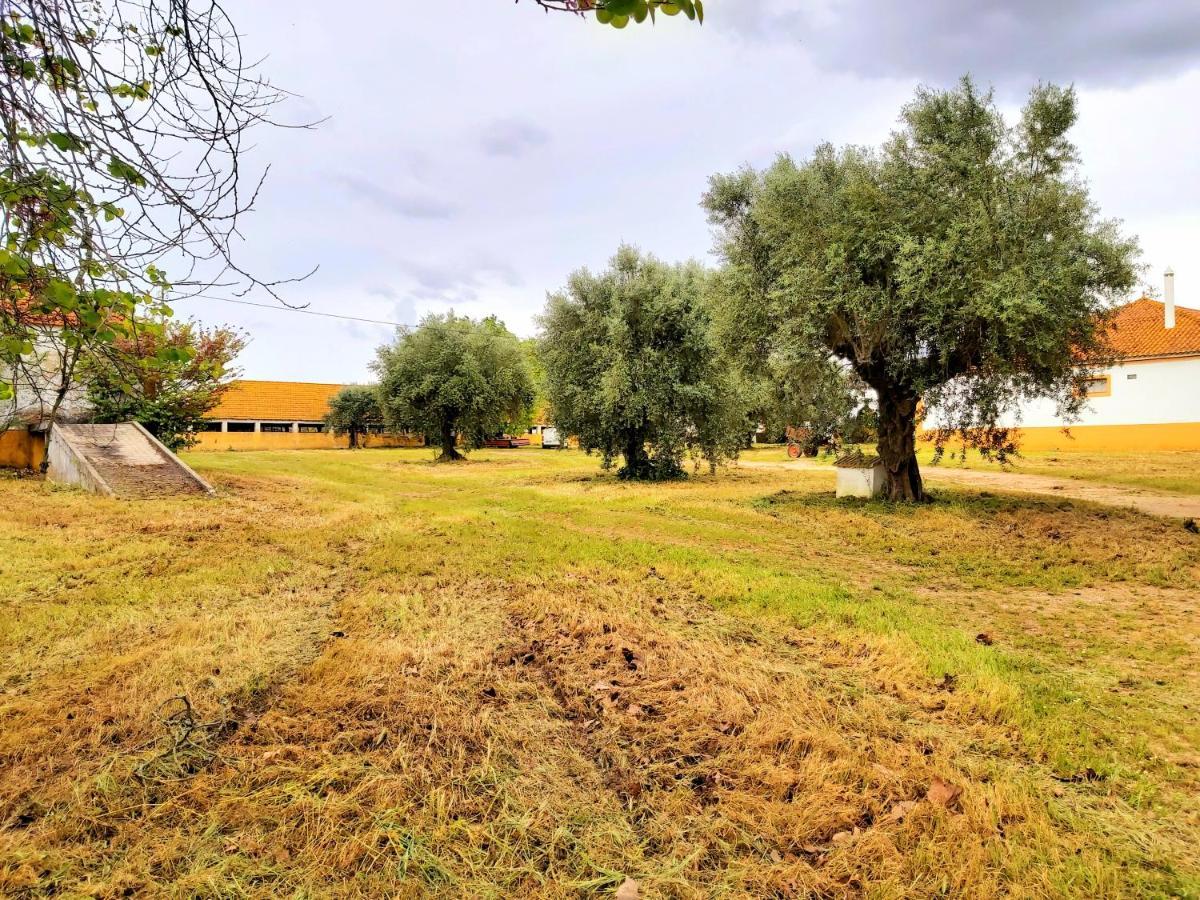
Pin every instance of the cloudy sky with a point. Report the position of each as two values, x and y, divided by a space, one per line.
473 153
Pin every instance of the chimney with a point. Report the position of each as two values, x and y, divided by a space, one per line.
1169 298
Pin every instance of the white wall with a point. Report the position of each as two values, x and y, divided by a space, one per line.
36 382
1163 392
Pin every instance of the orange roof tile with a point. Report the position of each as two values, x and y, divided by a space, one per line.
270 401
1138 330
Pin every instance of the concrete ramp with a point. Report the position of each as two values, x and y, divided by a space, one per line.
122 460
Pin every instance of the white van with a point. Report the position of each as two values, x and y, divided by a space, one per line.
550 438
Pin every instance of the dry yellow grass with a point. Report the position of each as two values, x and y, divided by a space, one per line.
519 677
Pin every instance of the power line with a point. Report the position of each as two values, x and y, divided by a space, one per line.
307 312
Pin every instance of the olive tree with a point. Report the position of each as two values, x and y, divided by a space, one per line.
961 266
455 378
632 370
352 411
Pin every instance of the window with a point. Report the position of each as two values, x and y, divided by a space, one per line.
240 426
211 426
312 427
1097 386
276 427
1131 377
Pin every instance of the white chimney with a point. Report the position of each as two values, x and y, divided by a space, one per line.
1169 298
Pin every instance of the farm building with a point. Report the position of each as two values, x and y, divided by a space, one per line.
281 415
1148 400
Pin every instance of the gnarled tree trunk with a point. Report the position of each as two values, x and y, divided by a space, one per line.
898 443
637 460
449 451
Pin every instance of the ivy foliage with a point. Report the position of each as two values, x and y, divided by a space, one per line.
454 378
619 13
632 369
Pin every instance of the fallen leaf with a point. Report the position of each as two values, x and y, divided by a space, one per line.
628 890
841 837
231 847
381 738
943 794
901 810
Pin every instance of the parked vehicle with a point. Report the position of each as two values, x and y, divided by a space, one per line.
506 441
551 439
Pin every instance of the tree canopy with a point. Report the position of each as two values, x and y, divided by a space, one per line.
632 371
124 122
962 265
455 378
353 410
167 379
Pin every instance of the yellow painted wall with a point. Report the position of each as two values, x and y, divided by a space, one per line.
272 440
1115 438
21 449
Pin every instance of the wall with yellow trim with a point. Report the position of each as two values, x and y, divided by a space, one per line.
22 449
1111 438
274 440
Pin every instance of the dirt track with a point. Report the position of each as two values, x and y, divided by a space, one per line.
1182 506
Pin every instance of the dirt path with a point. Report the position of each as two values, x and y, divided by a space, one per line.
1182 506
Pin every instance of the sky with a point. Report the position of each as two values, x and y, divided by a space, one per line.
470 155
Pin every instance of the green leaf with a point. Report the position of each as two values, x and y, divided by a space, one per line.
122 170
61 294
700 11
67 143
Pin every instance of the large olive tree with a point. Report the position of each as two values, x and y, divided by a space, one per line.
962 265
456 378
632 370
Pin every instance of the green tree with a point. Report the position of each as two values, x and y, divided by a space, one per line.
962 265
168 379
353 410
632 371
123 123
455 378
783 385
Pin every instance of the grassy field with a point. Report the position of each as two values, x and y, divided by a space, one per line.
517 676
1170 471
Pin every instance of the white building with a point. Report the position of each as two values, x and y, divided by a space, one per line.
1149 400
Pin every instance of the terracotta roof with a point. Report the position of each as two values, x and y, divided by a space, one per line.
1138 330
271 401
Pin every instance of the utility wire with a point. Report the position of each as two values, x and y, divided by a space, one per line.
307 312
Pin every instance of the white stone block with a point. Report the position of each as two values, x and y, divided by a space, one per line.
868 482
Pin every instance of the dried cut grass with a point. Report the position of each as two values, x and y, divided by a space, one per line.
522 680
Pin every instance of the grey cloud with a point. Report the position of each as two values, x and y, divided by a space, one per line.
456 282
404 308
512 137
407 204
1013 43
